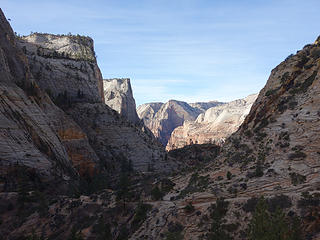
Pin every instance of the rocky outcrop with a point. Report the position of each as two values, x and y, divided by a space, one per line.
214 125
64 65
118 95
162 119
147 111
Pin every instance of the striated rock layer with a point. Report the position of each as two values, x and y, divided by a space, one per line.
29 122
64 64
214 125
118 95
162 119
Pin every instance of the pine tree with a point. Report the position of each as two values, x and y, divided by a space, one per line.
275 226
260 224
123 193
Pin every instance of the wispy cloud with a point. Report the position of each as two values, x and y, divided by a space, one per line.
192 50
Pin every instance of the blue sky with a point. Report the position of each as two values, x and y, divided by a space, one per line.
190 50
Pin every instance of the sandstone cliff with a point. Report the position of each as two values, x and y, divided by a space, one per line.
29 134
214 125
66 68
162 119
64 64
118 95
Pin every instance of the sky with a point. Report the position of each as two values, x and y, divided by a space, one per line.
189 50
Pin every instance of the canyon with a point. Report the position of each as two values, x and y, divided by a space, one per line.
76 162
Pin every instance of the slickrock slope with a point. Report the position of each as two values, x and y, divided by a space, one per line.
118 95
214 125
69 73
274 153
162 119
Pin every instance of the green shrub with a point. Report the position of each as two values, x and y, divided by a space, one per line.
156 193
297 178
196 184
302 61
218 211
174 231
285 77
229 175
259 169
279 201
123 233
102 230
140 215
75 235
189 208
271 92
308 200
248 133
305 85
250 205
272 226
315 53
297 155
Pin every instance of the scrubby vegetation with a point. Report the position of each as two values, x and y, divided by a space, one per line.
218 229
302 87
196 184
273 225
189 208
297 178
140 215
279 201
174 231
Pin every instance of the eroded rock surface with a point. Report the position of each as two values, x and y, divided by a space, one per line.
162 119
118 95
214 125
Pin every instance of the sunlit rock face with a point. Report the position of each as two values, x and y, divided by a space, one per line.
64 64
214 125
118 95
163 118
